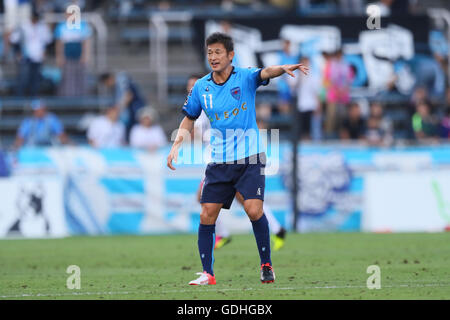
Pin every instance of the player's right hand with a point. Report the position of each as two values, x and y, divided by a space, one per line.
290 68
173 156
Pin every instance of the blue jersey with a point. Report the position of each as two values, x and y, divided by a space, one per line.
40 131
230 107
73 38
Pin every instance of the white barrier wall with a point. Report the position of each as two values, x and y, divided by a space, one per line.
80 190
407 201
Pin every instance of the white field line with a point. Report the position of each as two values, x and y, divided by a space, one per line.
192 290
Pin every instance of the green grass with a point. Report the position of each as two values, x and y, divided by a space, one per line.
310 266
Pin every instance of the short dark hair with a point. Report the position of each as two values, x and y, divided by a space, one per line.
105 76
219 37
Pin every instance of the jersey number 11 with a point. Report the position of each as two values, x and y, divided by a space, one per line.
210 101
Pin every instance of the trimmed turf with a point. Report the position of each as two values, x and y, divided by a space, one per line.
310 266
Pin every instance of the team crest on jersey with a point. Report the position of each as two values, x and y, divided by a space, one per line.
236 93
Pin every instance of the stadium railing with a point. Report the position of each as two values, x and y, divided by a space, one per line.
69 110
100 35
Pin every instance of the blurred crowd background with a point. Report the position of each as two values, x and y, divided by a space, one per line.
120 77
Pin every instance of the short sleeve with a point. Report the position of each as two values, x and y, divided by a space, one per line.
24 129
47 35
254 77
192 107
56 125
92 130
122 86
58 31
14 38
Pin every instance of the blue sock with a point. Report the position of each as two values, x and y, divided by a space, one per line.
206 242
262 236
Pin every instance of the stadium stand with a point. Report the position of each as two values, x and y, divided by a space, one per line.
128 34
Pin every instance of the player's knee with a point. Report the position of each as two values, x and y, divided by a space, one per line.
254 213
208 216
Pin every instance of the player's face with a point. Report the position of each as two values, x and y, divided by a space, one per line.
218 57
39 113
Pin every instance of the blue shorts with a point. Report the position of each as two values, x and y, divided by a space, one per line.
222 180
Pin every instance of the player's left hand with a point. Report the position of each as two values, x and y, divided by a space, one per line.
290 68
173 156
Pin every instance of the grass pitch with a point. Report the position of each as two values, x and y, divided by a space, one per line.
310 266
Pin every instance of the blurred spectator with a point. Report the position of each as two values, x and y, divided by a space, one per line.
17 12
447 98
286 56
107 131
147 134
4 167
263 114
429 74
403 79
73 48
323 80
419 95
354 126
307 89
127 97
439 46
31 39
419 71
42 129
424 123
445 124
338 77
379 128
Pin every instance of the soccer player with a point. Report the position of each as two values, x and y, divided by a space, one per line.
227 95
223 237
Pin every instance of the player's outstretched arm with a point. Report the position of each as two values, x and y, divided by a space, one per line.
186 127
276 71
